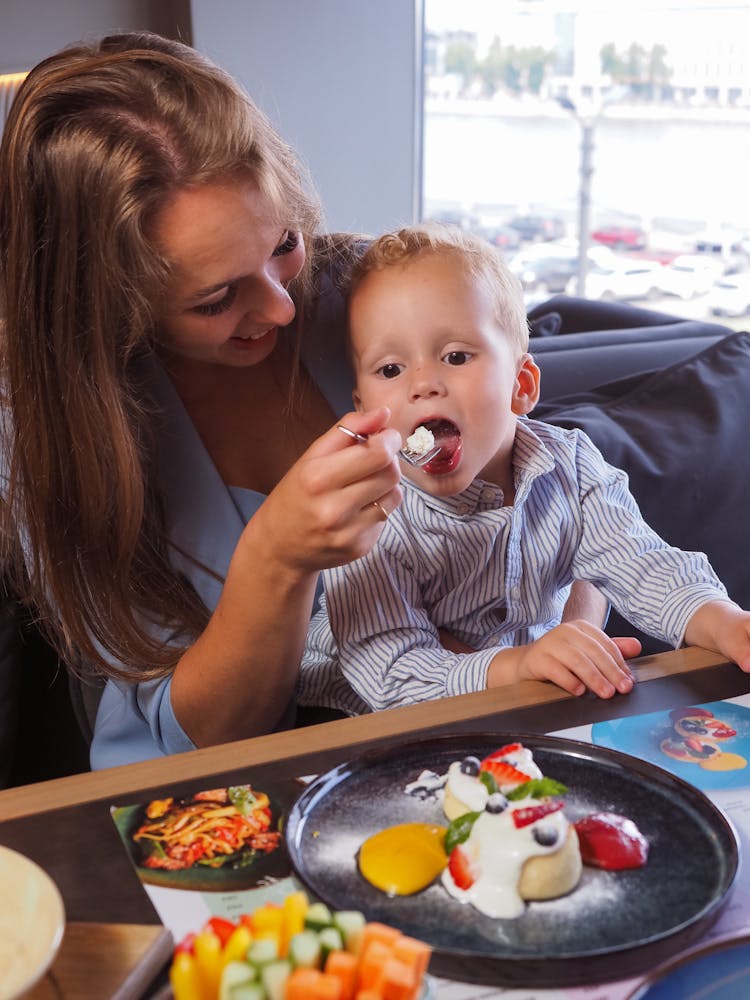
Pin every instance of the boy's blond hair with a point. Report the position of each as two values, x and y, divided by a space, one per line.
479 257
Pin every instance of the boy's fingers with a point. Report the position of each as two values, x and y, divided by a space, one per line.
628 645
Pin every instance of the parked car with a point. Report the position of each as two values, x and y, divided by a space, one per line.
620 278
536 227
545 272
547 268
689 275
621 237
730 295
504 237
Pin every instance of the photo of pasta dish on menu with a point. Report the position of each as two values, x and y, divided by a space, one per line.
214 828
216 838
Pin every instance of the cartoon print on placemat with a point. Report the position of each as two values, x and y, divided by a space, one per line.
707 745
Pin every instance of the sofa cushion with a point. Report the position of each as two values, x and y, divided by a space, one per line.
681 435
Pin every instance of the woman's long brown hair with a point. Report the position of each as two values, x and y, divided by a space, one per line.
99 137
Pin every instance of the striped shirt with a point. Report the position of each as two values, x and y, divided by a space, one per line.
493 576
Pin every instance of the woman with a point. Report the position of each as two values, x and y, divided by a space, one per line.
173 477
153 234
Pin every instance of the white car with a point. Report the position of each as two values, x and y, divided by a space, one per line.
621 278
689 275
730 295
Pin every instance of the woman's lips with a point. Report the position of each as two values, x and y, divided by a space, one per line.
246 343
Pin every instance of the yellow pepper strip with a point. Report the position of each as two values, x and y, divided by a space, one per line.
294 909
184 977
266 922
208 958
237 944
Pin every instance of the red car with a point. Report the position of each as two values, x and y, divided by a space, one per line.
621 237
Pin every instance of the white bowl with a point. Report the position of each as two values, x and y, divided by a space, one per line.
32 923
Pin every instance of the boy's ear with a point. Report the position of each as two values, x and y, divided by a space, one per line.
526 390
357 401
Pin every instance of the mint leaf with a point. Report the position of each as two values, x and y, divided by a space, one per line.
459 829
489 781
537 788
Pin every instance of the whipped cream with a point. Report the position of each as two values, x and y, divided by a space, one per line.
497 851
420 442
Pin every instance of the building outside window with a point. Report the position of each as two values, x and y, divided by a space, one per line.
585 136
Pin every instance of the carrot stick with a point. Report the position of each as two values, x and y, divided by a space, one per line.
399 981
343 965
413 952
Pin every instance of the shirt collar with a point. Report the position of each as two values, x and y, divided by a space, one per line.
531 458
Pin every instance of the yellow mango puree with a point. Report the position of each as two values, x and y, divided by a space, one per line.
404 859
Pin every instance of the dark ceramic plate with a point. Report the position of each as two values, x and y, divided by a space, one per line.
256 868
612 925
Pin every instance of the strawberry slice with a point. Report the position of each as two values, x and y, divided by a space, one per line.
505 751
530 814
611 841
460 869
503 772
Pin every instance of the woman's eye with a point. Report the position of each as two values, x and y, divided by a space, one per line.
457 357
219 305
290 242
391 370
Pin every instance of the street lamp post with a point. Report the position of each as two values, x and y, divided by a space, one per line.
586 170
584 202
587 123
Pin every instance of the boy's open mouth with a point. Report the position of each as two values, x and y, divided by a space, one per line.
448 437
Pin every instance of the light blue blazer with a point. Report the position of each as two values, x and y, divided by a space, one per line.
204 518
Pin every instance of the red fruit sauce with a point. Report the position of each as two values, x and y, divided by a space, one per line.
611 841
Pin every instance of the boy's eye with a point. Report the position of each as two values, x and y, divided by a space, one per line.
457 357
391 370
288 244
219 305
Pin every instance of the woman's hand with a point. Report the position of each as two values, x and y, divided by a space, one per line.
575 655
322 513
331 505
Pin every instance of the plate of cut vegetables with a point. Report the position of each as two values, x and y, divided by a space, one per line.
299 949
221 839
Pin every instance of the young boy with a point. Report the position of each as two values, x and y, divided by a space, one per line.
492 532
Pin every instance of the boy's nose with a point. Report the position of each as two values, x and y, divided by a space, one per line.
426 382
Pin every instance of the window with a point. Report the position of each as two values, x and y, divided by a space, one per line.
566 125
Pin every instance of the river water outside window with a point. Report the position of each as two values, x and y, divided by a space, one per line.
604 145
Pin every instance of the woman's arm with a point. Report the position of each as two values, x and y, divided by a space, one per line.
238 677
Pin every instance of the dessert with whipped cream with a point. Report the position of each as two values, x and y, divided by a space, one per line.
420 442
509 839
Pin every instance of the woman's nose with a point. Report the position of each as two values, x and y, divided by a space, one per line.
271 303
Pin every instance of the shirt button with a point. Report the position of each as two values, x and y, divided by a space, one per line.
463 508
488 494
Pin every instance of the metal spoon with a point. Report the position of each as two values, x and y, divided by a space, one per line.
408 457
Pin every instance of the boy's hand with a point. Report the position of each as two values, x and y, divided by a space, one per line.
575 655
723 627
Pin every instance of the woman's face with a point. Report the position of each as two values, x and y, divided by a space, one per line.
231 265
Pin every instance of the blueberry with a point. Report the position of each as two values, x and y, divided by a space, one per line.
470 765
496 803
545 836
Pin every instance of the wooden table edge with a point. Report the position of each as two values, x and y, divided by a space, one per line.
410 720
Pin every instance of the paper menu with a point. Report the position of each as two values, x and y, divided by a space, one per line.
671 740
